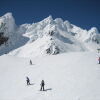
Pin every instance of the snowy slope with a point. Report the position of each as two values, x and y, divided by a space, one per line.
49 36
67 76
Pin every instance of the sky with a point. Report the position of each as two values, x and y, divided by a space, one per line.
83 13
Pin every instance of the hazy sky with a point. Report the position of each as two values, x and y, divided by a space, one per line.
83 13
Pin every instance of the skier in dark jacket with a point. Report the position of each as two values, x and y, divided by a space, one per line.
42 85
28 81
30 62
99 60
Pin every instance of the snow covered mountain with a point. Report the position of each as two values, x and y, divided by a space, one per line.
74 74
48 36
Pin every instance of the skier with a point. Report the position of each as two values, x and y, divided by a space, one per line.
30 62
42 85
98 50
28 81
99 60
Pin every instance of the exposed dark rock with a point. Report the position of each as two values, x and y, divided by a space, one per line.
3 39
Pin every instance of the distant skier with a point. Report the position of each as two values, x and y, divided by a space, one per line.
99 60
42 85
98 50
30 62
28 81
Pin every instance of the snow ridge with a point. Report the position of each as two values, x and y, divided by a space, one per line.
48 36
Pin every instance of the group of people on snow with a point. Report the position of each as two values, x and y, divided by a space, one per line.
42 83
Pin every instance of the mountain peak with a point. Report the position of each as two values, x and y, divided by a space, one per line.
7 24
48 19
94 30
8 15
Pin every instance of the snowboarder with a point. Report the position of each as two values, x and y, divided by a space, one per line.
42 85
28 81
30 62
99 60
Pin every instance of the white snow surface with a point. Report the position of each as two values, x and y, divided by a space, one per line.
31 40
67 76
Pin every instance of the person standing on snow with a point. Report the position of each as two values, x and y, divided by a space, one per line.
28 81
30 62
99 60
42 85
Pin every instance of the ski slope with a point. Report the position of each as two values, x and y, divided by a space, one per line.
67 76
